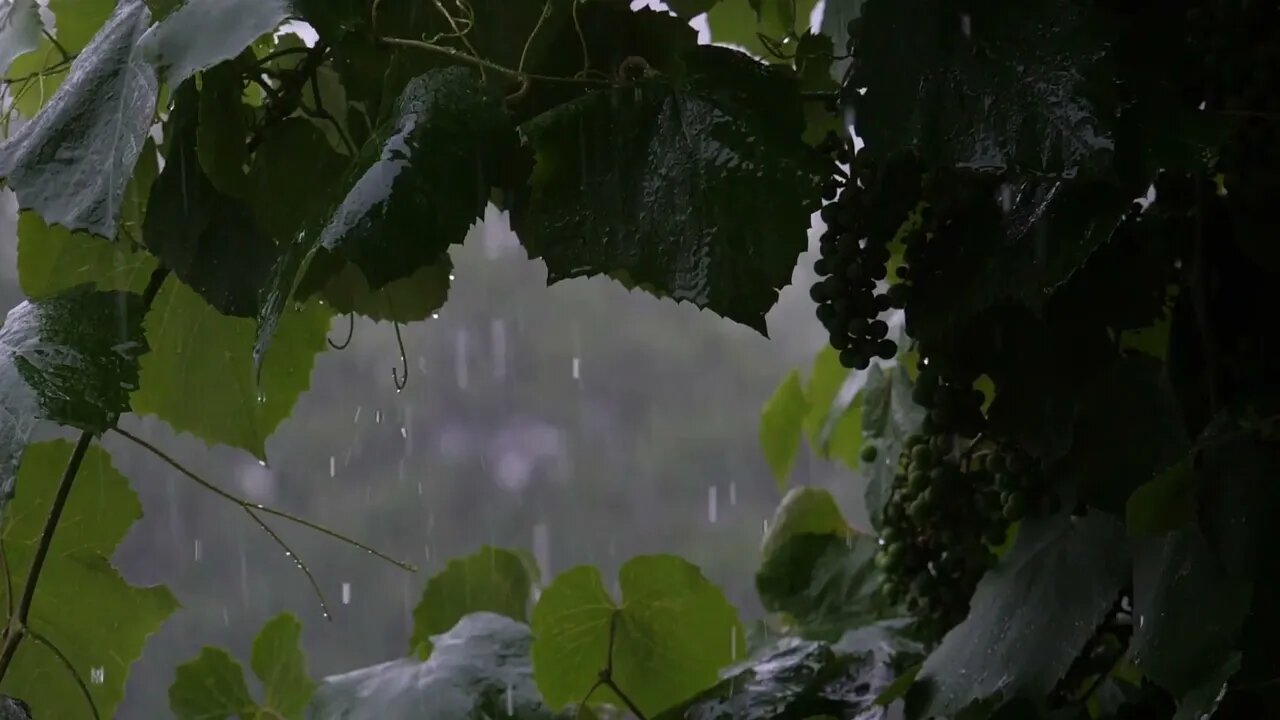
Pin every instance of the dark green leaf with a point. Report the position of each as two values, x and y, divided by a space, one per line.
404 301
479 669
700 187
423 180
743 22
826 583
71 359
889 417
793 680
1127 431
199 376
208 238
293 179
1030 616
803 510
20 28
84 607
1202 702
1187 611
211 687
993 87
490 580
780 425
1164 504
690 8
672 632
203 33
90 134
222 128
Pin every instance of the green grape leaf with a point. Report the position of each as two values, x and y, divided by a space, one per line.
1031 615
79 21
203 33
199 375
827 583
71 359
14 709
1164 504
211 687
222 128
420 184
54 259
208 238
404 301
1128 430
744 22
480 669
700 187
780 425
20 28
83 608
889 417
792 680
1187 611
280 665
490 580
293 178
995 88
76 23
672 632
826 379
91 133
803 510
690 8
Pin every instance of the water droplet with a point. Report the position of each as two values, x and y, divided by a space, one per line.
97 675
712 497
577 364
346 593
419 487
766 526
262 463
435 316
357 418
511 703
542 548
733 643
733 494
333 466
197 550
404 433
452 276
377 417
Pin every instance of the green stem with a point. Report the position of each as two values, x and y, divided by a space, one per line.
18 623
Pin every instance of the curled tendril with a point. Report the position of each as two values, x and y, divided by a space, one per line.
351 330
400 376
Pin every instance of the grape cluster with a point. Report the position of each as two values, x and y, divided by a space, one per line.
862 213
951 503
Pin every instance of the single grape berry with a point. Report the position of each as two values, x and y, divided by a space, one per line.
868 454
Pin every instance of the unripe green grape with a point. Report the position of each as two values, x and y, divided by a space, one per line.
868 454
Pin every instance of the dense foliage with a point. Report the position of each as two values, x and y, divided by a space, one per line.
1045 241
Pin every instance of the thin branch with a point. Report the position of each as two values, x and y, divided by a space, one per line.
482 63
59 67
66 56
458 33
399 381
8 581
162 455
84 689
582 38
18 621
297 560
625 700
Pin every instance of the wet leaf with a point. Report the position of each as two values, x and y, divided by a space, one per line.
76 22
13 709
479 669
71 359
1187 611
1000 88
672 632
203 33
293 179
404 301
793 680
199 376
421 183
20 28
490 580
53 259
700 187
1031 615
211 686
803 510
208 238
1164 504
90 134
780 425
742 22
889 417
827 583
280 665
84 607
222 128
